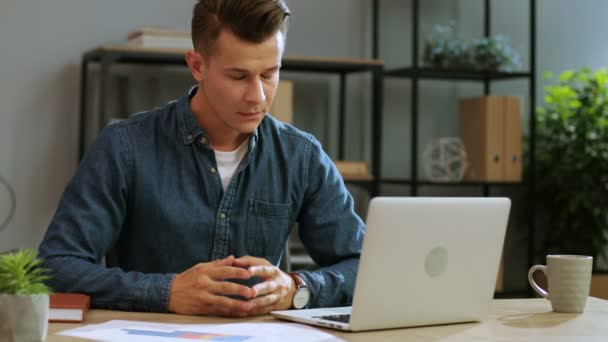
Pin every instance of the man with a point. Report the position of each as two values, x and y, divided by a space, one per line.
198 197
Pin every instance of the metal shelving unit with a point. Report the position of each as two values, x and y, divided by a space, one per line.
416 72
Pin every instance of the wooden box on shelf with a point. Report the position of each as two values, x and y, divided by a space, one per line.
490 129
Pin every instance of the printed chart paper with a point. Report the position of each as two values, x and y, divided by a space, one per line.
135 331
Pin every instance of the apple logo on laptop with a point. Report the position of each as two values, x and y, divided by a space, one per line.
436 261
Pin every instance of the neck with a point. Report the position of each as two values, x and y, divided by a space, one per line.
222 137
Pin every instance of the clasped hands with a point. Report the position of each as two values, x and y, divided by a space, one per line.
202 289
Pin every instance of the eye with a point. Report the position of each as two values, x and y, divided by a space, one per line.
268 75
238 77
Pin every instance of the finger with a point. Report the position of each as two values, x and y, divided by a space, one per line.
225 304
227 261
247 261
231 289
228 272
264 272
264 304
264 288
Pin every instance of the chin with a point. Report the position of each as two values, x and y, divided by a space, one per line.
248 128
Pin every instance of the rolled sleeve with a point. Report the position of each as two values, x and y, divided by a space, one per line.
331 231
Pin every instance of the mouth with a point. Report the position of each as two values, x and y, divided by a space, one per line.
251 114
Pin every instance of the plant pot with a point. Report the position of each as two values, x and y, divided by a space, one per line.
24 317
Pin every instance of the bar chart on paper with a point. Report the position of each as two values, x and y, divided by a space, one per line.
191 335
138 331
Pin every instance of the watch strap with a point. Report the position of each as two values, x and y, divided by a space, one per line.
297 278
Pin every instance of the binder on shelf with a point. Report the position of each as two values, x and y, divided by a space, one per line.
512 149
282 106
490 129
482 133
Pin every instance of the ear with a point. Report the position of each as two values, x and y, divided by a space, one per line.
195 64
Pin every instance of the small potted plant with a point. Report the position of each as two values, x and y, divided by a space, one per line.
24 298
444 50
494 54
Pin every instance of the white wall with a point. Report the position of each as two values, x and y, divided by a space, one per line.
41 44
572 35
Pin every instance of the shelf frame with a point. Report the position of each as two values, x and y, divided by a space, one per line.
415 73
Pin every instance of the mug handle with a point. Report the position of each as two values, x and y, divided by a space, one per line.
534 285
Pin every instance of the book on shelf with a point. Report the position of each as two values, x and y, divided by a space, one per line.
158 37
490 129
68 307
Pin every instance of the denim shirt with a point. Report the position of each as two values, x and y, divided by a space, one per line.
148 187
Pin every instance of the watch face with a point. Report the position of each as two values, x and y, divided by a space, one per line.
301 298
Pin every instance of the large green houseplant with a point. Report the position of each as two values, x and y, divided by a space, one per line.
572 163
24 300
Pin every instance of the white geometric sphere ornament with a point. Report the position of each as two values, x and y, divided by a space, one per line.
445 160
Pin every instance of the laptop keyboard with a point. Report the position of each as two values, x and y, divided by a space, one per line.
335 318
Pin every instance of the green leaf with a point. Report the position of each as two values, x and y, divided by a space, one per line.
21 274
601 77
547 75
566 75
575 104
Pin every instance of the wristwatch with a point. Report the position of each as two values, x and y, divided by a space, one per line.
302 295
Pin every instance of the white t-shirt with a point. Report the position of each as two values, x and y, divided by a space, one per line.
227 162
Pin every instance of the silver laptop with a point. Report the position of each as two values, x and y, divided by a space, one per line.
424 261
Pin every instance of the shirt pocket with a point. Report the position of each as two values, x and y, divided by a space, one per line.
268 226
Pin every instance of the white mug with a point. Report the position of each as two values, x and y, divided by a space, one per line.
569 280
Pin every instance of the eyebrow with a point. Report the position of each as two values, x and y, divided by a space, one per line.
245 71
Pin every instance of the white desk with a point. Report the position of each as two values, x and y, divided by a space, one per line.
509 320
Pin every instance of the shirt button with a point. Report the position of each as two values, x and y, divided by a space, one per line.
189 137
223 216
212 170
203 140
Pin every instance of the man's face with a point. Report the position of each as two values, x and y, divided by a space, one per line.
238 82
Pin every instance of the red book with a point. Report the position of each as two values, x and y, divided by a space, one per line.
68 307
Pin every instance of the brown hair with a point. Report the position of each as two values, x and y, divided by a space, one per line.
250 20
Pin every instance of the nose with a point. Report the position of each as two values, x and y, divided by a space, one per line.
255 92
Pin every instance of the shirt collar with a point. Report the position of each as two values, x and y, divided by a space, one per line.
189 128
